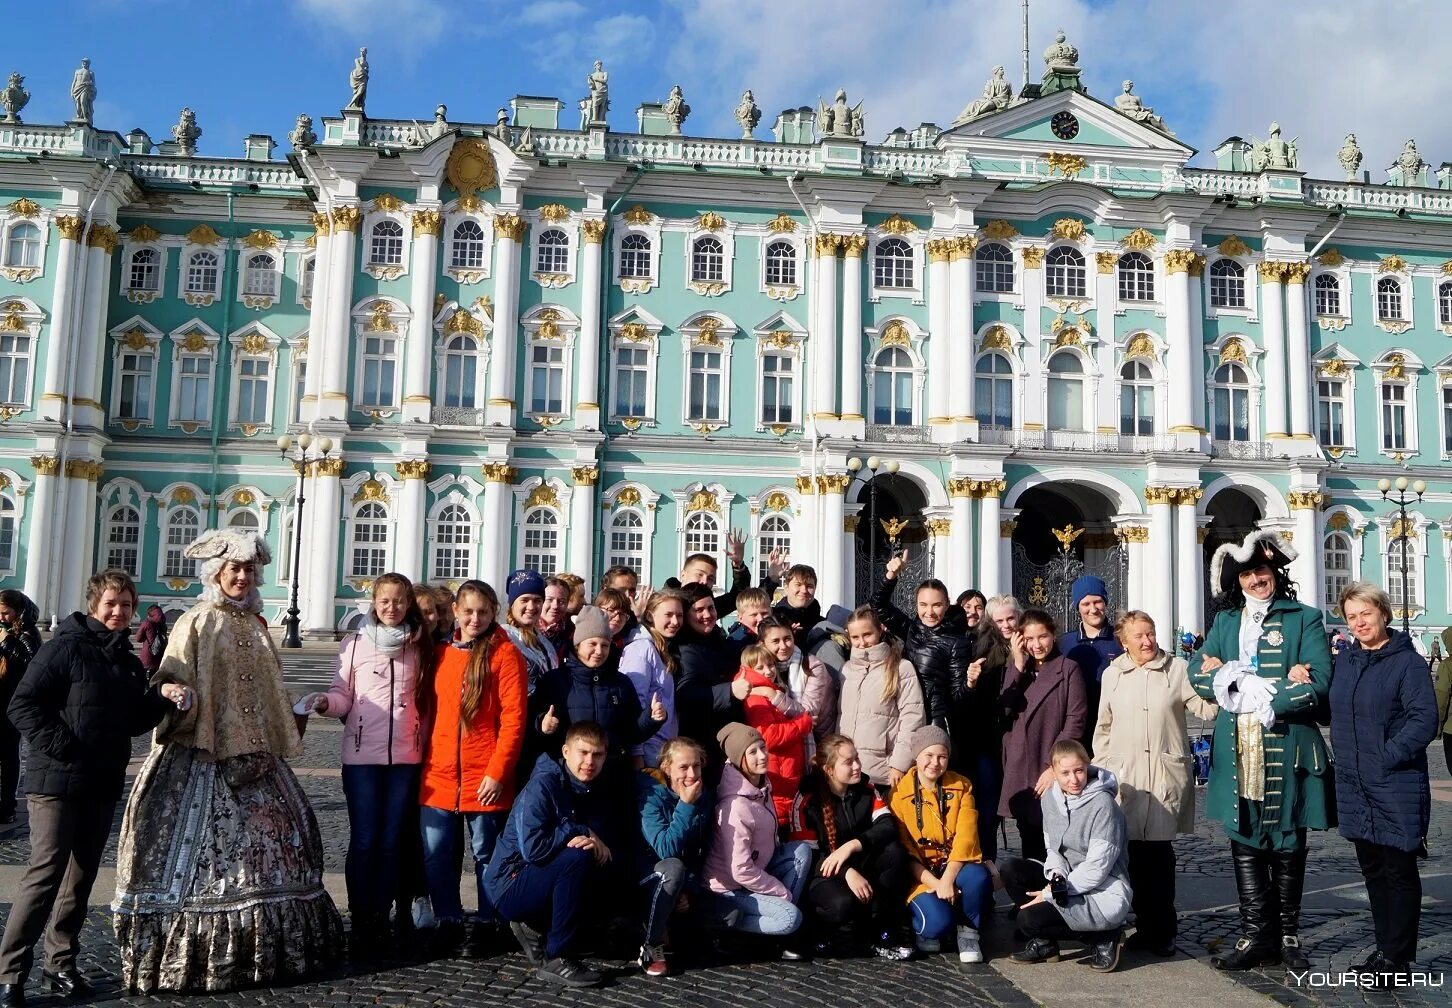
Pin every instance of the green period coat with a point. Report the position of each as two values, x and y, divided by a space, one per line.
1299 784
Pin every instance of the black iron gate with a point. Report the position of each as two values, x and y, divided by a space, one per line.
1047 585
919 566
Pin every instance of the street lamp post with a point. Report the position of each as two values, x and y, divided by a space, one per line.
873 465
1401 500
285 444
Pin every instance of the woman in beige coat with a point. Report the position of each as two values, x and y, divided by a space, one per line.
881 704
1142 738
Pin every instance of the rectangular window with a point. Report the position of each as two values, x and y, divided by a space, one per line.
777 377
1330 424
299 387
627 542
1447 419
547 379
14 369
252 374
705 392
1232 414
379 371
1393 417
136 377
1401 563
1136 409
194 389
632 373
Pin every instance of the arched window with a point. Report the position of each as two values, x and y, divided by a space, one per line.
145 274
541 541
1227 284
385 248
453 544
1066 392
1136 277
1328 294
703 534
635 256
892 264
14 368
8 531
468 247
1396 563
202 270
775 534
993 391
1232 403
1389 300
554 252
368 553
994 268
781 264
627 542
1064 274
23 249
708 260
892 388
1136 399
461 373
1444 303
260 276
1337 561
123 540
245 520
1394 433
182 526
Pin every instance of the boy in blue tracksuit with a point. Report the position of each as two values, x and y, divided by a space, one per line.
675 816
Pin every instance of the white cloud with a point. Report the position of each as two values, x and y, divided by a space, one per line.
410 26
549 12
615 40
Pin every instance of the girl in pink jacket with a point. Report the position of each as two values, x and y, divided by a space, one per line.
383 674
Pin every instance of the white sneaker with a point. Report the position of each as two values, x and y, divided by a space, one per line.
423 913
969 949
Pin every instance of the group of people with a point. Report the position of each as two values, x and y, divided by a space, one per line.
809 783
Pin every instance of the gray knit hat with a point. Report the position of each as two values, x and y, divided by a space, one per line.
591 621
928 735
735 739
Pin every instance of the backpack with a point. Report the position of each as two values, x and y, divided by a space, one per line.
157 644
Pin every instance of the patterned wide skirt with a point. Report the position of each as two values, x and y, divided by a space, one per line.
219 876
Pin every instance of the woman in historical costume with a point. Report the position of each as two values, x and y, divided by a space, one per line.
1267 663
219 870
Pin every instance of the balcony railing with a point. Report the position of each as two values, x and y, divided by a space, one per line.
1067 440
1260 451
457 416
895 434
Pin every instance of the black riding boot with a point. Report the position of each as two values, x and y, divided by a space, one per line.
1288 869
1257 947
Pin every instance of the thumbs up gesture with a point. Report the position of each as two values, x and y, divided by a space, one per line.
657 709
549 724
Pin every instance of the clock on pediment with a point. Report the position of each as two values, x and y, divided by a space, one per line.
1065 125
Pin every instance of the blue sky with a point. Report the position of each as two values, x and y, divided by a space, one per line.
248 66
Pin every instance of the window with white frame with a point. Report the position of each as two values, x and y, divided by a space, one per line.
193 402
453 542
703 534
15 368
461 372
1447 419
1230 396
781 264
704 396
385 244
145 270
553 252
1402 564
635 255
368 552
22 246
778 388
307 274
299 385
1331 409
892 264
1227 284
1444 303
1064 273
1136 277
1389 301
123 540
203 272
775 535
631 381
1136 399
541 541
182 526
547 378
892 388
244 520
9 530
627 542
284 562
136 379
1328 294
993 391
254 375
468 249
993 269
1395 435
1065 392
708 260
259 276
1336 559
379 365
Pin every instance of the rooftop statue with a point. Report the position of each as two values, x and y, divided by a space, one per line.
1350 157
1128 103
186 132
302 136
997 95
358 81
14 98
839 119
676 109
501 120
598 103
83 92
747 114
1273 153
1410 161
1061 55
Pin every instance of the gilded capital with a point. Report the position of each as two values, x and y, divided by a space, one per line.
1305 500
427 222
1107 261
963 247
1179 260
1033 257
45 465
510 226
322 224
806 485
828 244
498 472
594 231
1005 528
1160 494
853 245
990 488
961 486
1133 533
347 218
1186 495
833 483
69 227
585 475
332 467
412 469
104 237
86 469
940 250
1272 272
1297 272
938 526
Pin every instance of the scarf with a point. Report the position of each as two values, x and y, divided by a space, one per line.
794 680
390 641
1250 725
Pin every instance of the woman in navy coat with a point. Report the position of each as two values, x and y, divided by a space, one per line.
1383 717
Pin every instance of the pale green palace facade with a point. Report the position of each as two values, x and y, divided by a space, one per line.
536 345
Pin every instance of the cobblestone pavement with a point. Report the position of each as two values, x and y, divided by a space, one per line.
1336 928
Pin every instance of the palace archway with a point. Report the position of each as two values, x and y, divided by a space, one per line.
1065 529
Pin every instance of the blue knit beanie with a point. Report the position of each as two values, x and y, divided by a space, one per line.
1084 586
523 582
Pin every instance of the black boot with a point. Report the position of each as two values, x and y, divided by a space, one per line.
1288 869
1252 881
12 995
68 983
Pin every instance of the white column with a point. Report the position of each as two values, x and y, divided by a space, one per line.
1273 327
1197 341
1305 569
322 525
91 329
807 540
960 323
824 334
988 538
418 365
1298 351
1030 407
940 532
317 315
960 537
854 364
849 562
496 537
832 585
1159 602
78 533
509 229
61 338
1135 539
1189 566
582 522
38 542
332 355
940 314
408 548
587 349
1181 352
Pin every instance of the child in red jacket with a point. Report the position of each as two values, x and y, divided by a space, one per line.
784 725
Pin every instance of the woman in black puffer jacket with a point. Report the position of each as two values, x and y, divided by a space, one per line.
707 693
19 640
933 643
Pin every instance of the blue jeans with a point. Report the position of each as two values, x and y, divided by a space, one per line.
549 897
439 827
769 915
934 917
379 797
